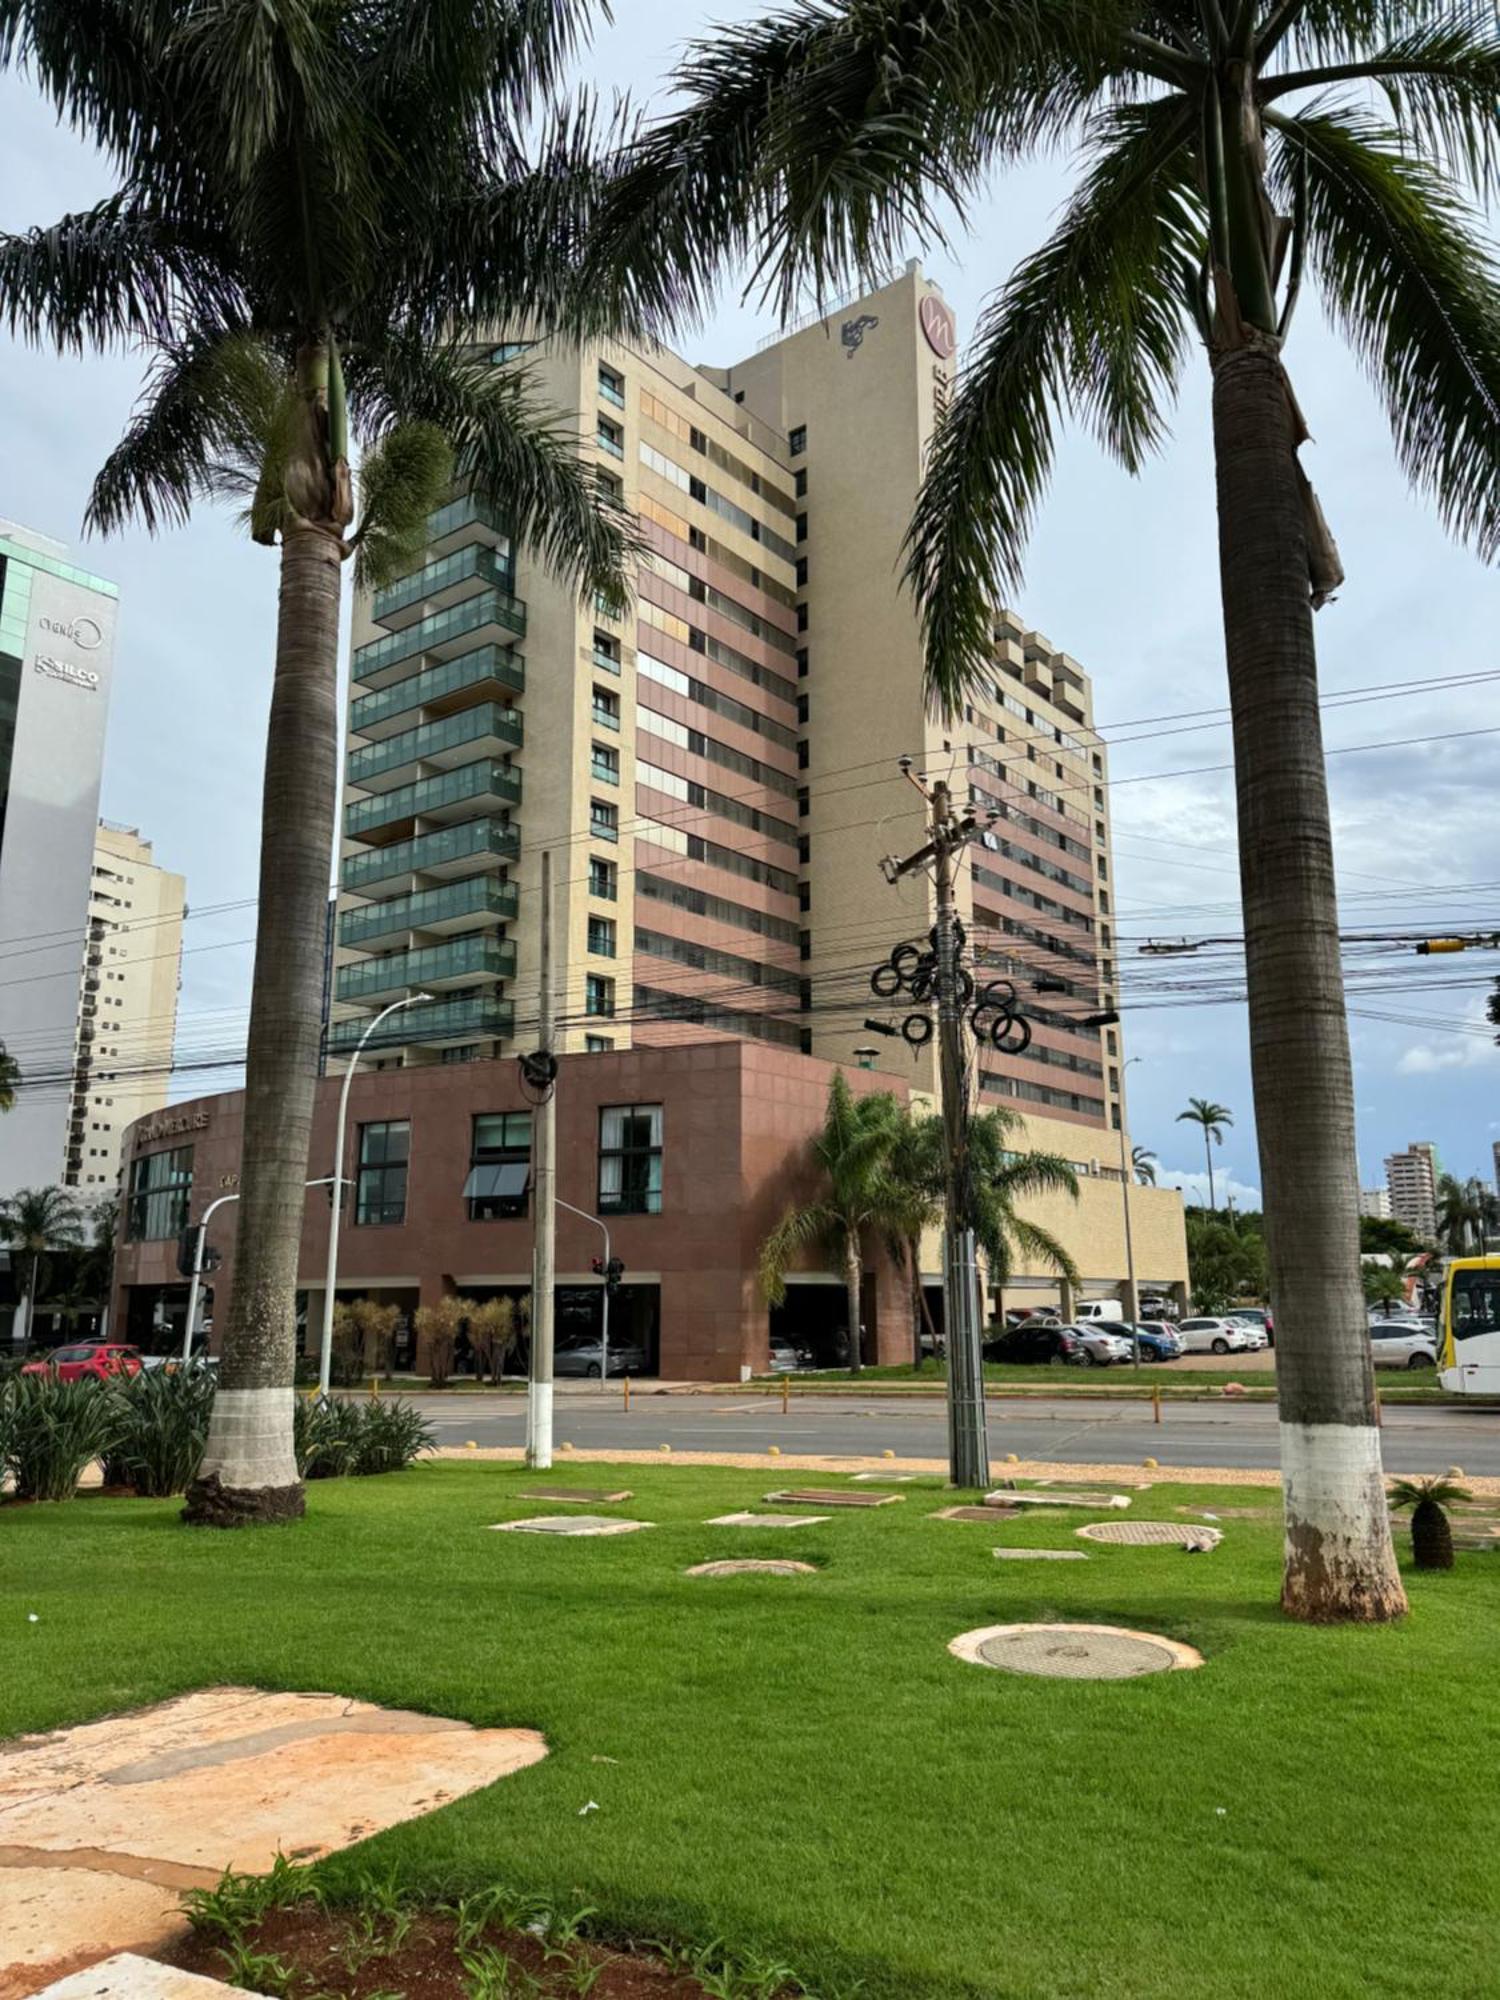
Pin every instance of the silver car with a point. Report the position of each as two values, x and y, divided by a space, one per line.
1100 1348
584 1357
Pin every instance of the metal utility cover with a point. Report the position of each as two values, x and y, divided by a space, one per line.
1073 1652
1152 1534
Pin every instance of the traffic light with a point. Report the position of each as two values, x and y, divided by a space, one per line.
614 1271
187 1250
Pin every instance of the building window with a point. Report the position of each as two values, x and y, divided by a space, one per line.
802 572
804 708
611 438
597 1045
804 848
604 820
499 1165
161 1189
801 527
606 764
804 896
630 1160
802 617
606 708
610 486
802 754
603 879
380 1188
612 385
796 439
606 651
801 479
804 801
602 936
802 663
598 994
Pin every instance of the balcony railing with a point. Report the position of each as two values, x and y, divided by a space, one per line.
445 1021
443 582
435 742
445 848
468 511
610 394
442 635
476 896
486 666
461 962
614 446
605 661
606 718
451 790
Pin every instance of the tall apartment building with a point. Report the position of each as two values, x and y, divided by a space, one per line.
57 630
1375 1202
127 1008
1412 1180
716 776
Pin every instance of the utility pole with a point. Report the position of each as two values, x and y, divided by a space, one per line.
968 1448
544 1234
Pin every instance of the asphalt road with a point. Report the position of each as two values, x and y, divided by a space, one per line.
1417 1438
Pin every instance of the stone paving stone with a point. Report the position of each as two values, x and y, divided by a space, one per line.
837 1497
749 1566
765 1520
103 1826
569 1524
1040 1555
988 1515
126 1977
1007 1497
578 1496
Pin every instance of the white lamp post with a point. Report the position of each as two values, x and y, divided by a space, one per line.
1125 1179
330 1280
198 1249
604 1323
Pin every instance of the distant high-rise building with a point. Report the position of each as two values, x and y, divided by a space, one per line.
1411 1178
127 1010
57 633
1375 1201
1495 1156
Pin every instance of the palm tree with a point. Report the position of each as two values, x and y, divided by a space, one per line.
33 1222
315 201
1230 154
1213 1118
1431 1534
1004 1177
10 1077
857 1199
918 1178
1459 1215
1143 1165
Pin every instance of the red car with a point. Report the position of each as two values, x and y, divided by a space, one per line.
93 1361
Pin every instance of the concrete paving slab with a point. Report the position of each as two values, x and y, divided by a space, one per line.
579 1496
1040 1555
103 1826
1006 1497
569 1524
838 1496
127 1977
765 1520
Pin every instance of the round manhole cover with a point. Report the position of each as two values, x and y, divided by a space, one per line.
748 1566
1140 1534
1073 1652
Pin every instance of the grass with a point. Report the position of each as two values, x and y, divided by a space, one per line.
1172 1378
800 1768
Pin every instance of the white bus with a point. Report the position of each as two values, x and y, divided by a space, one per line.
1469 1357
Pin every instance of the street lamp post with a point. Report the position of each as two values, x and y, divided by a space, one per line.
330 1278
604 1323
1131 1296
198 1248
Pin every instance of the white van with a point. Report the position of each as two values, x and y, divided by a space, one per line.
1096 1309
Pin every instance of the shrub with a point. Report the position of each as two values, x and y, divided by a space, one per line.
1431 1536
163 1430
52 1431
437 1327
391 1437
323 1437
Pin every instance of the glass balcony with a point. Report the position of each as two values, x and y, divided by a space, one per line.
457 964
490 618
446 1021
441 584
449 850
452 794
455 906
488 670
468 518
487 727
606 441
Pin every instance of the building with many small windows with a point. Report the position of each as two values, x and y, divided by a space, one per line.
1411 1178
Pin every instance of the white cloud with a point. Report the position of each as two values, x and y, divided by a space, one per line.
1195 1186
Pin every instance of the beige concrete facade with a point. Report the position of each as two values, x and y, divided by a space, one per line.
715 774
127 1007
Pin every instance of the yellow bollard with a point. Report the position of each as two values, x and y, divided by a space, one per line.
663 1447
471 1444
786 1394
887 1454
1012 1458
1151 1464
773 1451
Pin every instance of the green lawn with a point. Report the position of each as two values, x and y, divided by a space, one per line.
1172 1378
800 1766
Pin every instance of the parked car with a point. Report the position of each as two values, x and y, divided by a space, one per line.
1396 1343
1156 1340
1035 1345
583 1357
1255 1316
170 1363
1098 1309
786 1357
1213 1336
1102 1346
90 1361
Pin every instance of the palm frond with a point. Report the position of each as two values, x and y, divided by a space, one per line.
510 443
814 1227
97 62
449 65
401 480
1407 272
123 270
1093 323
1442 80
1020 1238
1036 1173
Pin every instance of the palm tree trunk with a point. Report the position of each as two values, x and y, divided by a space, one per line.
1339 1561
249 1473
851 1292
1208 1154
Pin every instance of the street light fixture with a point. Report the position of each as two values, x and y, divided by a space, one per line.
865 1055
198 1250
330 1278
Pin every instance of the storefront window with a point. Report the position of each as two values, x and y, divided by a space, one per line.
499 1166
380 1195
630 1159
161 1189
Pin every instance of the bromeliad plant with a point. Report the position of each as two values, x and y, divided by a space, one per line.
1233 153
1431 1535
51 1432
318 201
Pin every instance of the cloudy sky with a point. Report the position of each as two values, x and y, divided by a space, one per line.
1123 575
